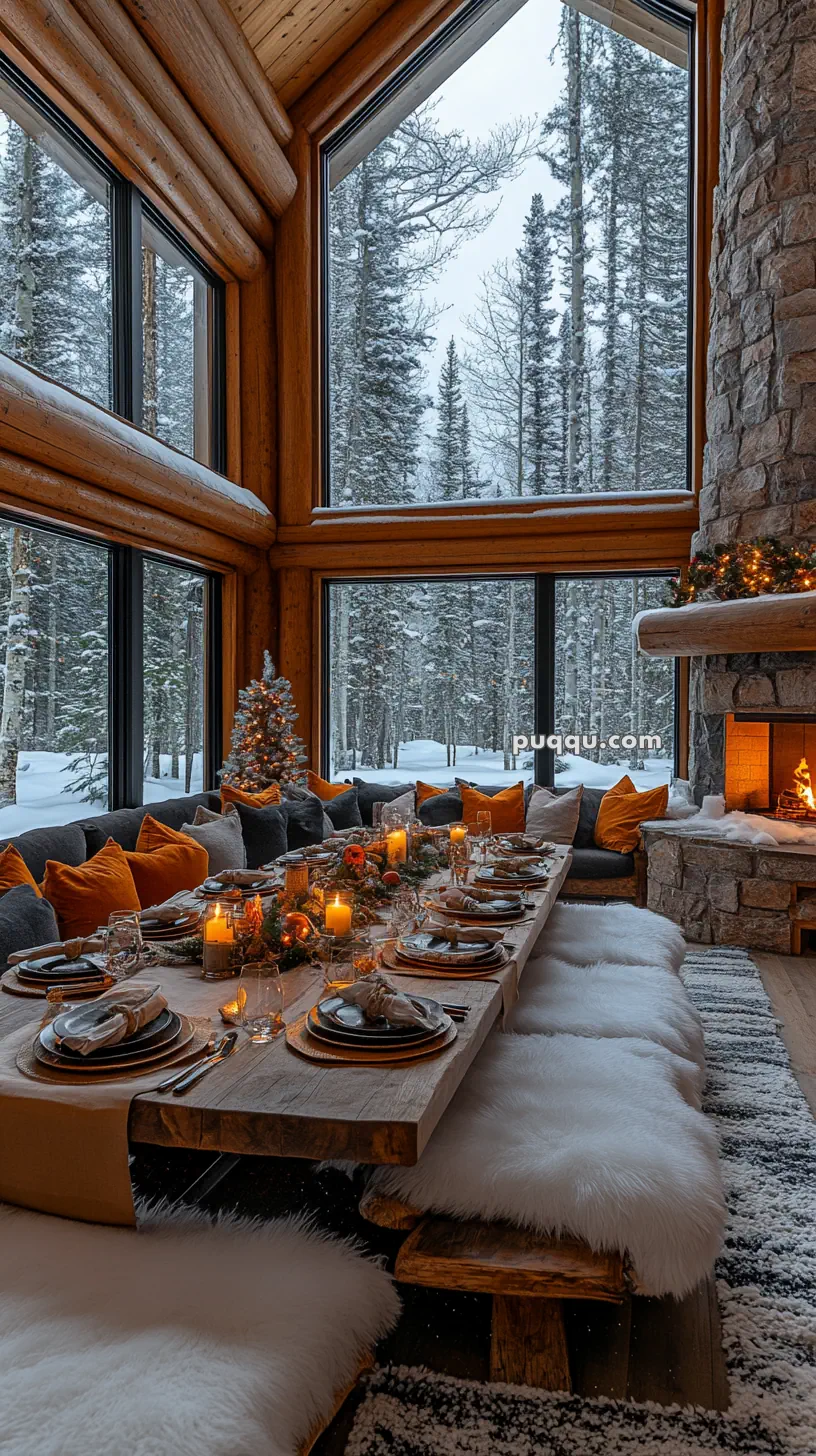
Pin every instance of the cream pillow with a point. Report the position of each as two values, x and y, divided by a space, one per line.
554 816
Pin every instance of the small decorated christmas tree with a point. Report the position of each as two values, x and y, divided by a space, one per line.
264 748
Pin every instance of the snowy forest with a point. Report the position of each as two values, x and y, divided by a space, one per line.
55 314
567 374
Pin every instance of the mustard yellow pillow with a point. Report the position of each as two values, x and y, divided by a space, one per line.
15 871
426 791
622 813
323 788
83 896
258 800
506 809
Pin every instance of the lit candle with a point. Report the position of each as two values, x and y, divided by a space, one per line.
338 917
219 938
397 846
457 833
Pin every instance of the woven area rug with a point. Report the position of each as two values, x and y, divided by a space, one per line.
766 1284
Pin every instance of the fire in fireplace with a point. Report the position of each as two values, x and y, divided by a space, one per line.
768 759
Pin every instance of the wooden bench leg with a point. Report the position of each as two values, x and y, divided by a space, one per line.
528 1345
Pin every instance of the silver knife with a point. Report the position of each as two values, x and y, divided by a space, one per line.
216 1044
206 1067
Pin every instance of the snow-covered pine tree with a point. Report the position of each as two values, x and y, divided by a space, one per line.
539 419
264 748
450 469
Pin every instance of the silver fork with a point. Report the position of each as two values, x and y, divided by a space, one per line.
214 1044
213 1061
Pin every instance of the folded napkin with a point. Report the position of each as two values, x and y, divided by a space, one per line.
455 933
472 898
512 866
377 997
127 1009
526 841
243 877
71 949
165 913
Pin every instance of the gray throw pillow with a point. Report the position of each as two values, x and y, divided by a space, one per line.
344 810
307 822
26 920
441 809
222 837
264 832
554 816
369 794
296 794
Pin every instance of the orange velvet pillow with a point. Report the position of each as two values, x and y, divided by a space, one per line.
84 896
506 809
15 871
323 788
160 873
155 835
622 812
259 800
426 791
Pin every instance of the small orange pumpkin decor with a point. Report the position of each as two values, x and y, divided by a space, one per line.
295 927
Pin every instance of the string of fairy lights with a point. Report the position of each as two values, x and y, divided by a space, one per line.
745 569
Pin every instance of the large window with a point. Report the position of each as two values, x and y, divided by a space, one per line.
71 298
108 678
506 284
495 680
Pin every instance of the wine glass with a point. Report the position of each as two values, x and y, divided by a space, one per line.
484 819
404 908
260 995
123 944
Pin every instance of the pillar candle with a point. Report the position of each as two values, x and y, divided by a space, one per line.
457 833
338 917
397 846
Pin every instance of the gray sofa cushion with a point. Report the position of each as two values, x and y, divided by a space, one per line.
306 822
344 810
600 864
123 825
264 832
441 809
590 804
65 842
369 794
26 920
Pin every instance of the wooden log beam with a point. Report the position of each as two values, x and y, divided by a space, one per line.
233 40
756 624
183 39
51 37
46 423
122 39
46 496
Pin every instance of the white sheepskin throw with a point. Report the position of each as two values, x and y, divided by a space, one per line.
585 934
609 1000
200 1340
578 1135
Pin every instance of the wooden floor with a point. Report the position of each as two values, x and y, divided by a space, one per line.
790 982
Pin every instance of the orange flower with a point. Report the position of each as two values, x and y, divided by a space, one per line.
354 856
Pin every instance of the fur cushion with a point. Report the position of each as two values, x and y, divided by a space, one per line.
611 1000
580 1135
623 934
115 1341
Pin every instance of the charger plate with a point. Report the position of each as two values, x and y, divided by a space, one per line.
467 973
92 1067
298 1038
38 1071
10 982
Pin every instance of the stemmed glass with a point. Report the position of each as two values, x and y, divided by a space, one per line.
260 996
484 819
123 944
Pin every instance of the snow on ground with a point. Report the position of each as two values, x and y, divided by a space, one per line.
424 759
43 799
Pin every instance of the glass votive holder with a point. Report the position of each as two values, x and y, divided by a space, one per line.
218 933
296 878
260 998
338 912
457 833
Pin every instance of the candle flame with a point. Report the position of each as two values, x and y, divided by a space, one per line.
803 786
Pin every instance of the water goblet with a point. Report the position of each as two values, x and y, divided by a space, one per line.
484 819
123 944
260 996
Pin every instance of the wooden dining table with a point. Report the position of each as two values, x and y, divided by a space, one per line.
270 1101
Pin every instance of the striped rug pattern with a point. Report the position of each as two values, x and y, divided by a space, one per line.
766 1284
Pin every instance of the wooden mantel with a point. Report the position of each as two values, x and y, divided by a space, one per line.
755 624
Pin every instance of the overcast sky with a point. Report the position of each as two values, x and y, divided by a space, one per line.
512 75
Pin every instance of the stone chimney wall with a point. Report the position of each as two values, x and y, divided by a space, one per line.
759 473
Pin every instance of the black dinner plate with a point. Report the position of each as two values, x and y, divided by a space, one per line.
158 1033
334 1014
153 925
385 1045
59 966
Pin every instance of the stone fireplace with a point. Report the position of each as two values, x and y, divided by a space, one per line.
759 474
764 758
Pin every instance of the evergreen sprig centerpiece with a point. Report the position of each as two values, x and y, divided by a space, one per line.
746 569
264 748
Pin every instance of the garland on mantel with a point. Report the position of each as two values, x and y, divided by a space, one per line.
745 569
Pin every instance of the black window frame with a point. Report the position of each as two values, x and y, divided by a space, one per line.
544 628
446 37
125 563
127 207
